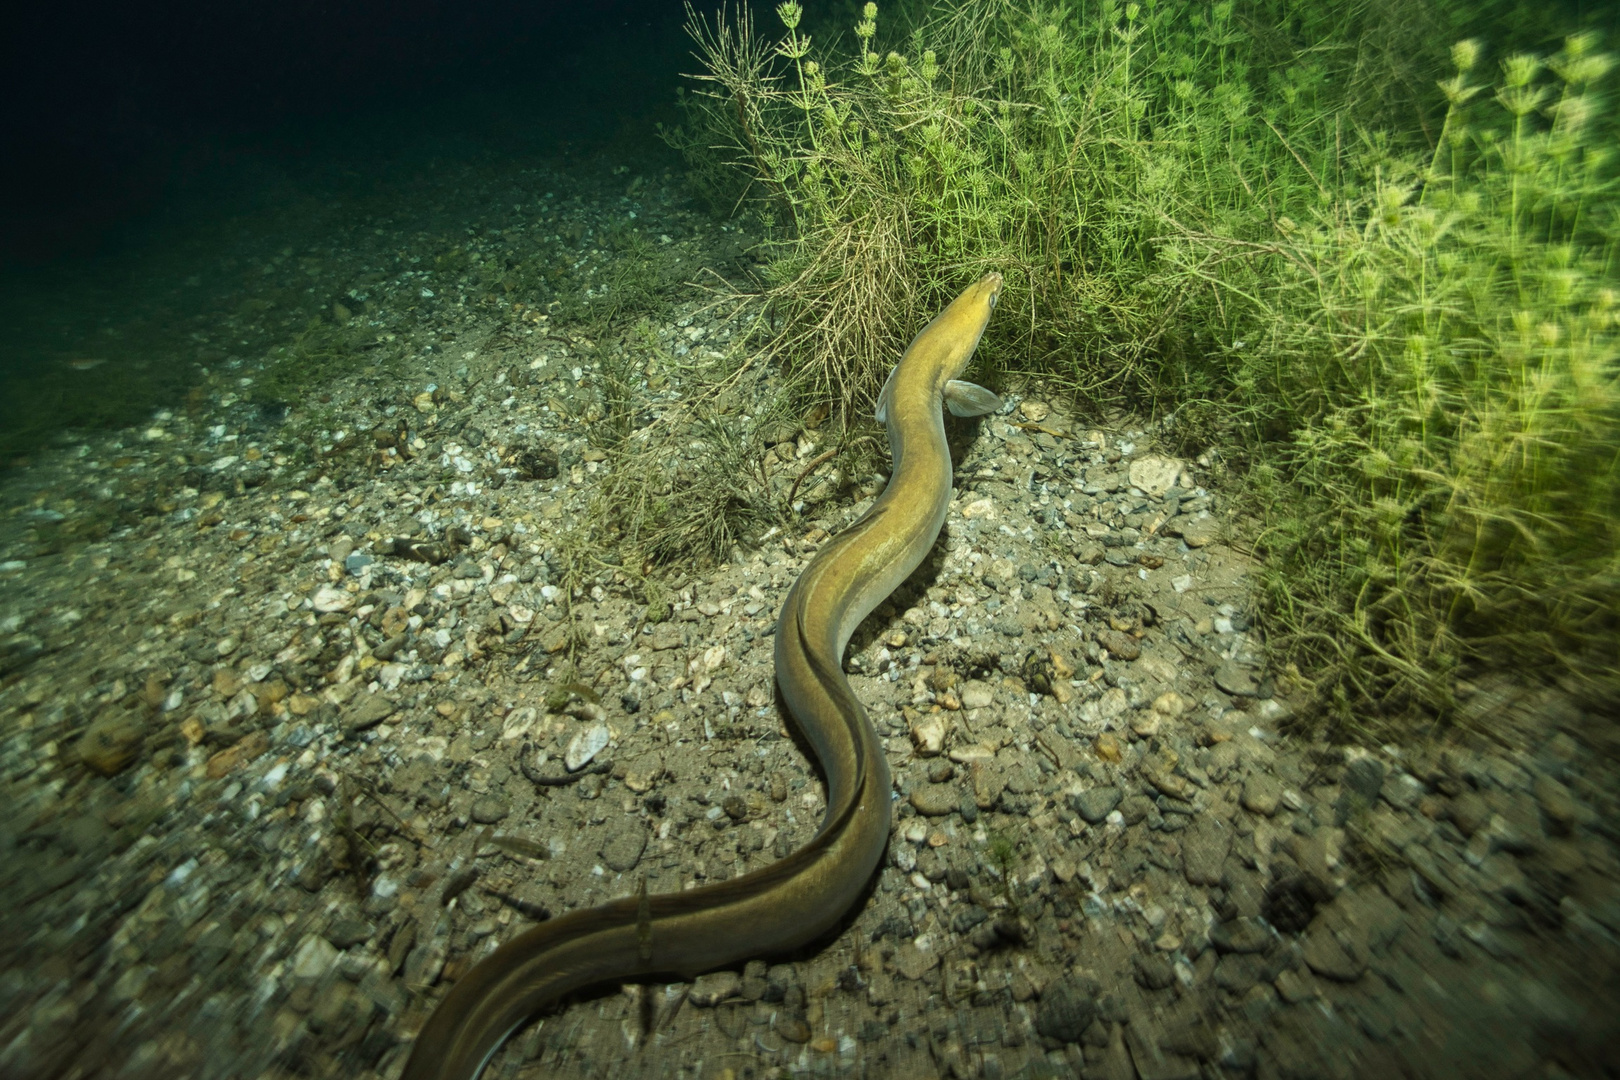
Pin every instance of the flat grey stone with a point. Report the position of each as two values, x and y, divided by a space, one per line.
1096 804
1203 850
1237 680
368 712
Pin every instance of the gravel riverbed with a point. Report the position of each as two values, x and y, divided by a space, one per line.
285 748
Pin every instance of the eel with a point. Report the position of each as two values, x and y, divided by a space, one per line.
796 899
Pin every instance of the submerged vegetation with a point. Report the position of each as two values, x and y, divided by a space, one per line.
1387 274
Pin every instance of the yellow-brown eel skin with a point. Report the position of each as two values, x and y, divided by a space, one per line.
794 900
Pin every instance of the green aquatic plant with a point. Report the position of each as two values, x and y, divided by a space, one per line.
1446 348
1392 301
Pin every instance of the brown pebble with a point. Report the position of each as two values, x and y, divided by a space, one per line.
792 1029
111 743
228 759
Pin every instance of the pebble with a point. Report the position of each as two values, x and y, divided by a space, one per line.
1364 777
1557 803
367 712
1153 971
623 851
1197 532
348 931
935 800
928 734
1295 986
1261 793
1155 474
717 986
1068 1006
313 958
111 743
1326 955
1236 679
329 598
1469 812
489 809
1240 935
1119 645
584 746
977 695
791 1028
1096 803
1145 725
1203 849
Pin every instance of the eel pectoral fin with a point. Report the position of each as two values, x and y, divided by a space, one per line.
969 399
882 413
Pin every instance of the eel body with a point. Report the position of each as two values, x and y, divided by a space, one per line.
794 900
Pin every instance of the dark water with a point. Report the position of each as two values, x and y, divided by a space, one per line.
165 160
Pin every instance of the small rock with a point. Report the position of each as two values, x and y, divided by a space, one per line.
1095 804
1365 778
1067 1008
1236 679
1295 986
1469 811
245 750
1136 808
791 1028
347 932
1240 935
1155 474
977 695
1203 850
1238 972
1171 704
1119 645
1153 971
967 916
111 744
1261 793
935 800
367 712
623 852
1402 790
488 809
1145 725
313 958
584 746
1334 948
1557 803
928 734
717 986
340 1008
913 963
1197 532
329 598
